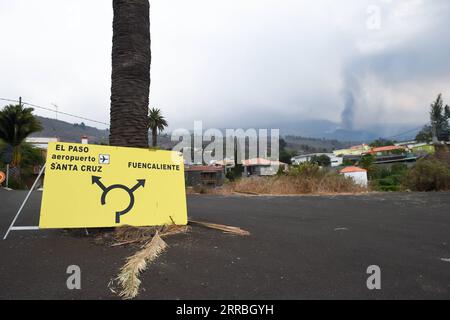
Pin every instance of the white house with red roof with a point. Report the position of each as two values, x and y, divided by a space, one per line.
359 175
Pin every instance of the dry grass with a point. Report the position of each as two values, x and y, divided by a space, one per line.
128 278
292 185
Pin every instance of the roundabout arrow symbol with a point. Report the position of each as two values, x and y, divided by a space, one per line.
106 190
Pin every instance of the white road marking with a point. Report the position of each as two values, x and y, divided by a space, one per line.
341 229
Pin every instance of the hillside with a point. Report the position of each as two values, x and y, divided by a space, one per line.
69 132
72 132
303 145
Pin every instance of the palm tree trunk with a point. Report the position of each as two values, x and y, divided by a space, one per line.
155 137
131 59
15 171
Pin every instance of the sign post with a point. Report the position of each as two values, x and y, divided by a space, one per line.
12 227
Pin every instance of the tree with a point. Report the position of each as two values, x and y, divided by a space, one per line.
131 59
16 124
438 127
382 143
285 155
322 160
156 122
367 161
439 119
425 135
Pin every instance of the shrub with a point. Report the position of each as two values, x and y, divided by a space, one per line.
307 178
428 175
306 170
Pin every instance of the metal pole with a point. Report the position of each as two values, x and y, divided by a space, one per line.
7 176
25 201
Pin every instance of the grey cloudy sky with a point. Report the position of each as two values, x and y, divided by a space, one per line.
238 63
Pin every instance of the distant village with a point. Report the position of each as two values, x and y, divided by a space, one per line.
344 161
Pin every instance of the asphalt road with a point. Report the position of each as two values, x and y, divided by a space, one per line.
300 248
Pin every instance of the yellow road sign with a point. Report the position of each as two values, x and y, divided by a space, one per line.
89 186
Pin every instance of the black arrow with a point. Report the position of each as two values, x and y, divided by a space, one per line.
96 180
141 183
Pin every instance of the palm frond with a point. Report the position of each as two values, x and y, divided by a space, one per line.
221 227
128 278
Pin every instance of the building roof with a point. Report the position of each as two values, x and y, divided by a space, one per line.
312 155
387 148
261 162
358 147
205 168
352 169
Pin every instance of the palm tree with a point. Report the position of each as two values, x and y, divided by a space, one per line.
131 58
156 122
16 124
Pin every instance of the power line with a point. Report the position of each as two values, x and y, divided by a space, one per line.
56 111
404 133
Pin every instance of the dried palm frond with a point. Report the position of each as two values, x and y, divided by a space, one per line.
132 235
126 233
172 230
224 228
128 278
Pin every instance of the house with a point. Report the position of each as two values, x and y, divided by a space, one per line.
359 175
386 151
392 154
262 167
335 160
352 151
418 148
208 176
228 163
41 142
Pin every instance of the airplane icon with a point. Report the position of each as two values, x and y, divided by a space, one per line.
103 159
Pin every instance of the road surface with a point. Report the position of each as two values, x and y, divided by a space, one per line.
300 248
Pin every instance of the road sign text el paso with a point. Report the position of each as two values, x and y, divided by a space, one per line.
89 186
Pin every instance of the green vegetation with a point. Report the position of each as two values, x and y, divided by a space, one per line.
303 145
387 179
382 143
428 175
235 173
322 160
31 157
16 124
367 161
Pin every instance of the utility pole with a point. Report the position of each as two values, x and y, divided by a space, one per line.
20 101
56 110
